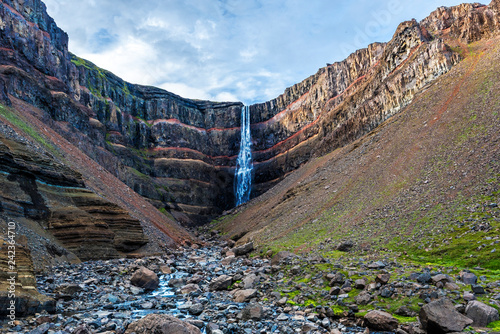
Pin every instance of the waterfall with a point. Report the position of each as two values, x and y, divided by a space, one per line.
244 166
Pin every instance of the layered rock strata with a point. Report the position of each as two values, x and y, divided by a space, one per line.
181 153
36 187
22 289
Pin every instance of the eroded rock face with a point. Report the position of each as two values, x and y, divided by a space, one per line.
28 300
181 153
35 187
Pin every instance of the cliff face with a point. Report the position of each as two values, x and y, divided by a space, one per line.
179 153
37 188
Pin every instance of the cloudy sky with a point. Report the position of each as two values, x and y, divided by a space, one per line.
227 50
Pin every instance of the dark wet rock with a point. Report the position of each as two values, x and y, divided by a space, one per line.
161 324
145 278
478 289
196 309
440 316
481 313
381 321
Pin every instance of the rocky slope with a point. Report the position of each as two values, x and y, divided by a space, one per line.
179 153
424 184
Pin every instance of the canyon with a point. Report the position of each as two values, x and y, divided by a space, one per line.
180 154
393 152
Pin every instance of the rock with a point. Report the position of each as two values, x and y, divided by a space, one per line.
145 278
440 316
249 281
165 270
480 313
478 290
190 288
468 278
383 278
176 282
345 246
243 249
42 329
424 278
451 286
280 256
381 321
220 283
338 279
252 311
334 291
360 284
377 265
468 296
196 309
441 278
363 298
241 296
404 311
161 324
68 289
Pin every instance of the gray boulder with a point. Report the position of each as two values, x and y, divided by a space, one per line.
481 313
440 316
161 324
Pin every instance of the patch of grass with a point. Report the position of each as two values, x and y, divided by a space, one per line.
405 320
495 325
11 116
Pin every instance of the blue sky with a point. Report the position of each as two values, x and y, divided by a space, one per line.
227 50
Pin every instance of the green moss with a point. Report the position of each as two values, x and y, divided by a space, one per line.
495 325
11 116
405 320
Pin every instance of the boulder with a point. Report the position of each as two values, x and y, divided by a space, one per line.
363 298
381 321
161 324
280 256
220 283
468 278
242 296
441 278
252 311
243 249
440 316
145 278
383 278
345 246
480 313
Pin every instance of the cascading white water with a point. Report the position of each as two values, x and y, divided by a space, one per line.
244 166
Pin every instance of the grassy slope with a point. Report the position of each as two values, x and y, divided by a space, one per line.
419 184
